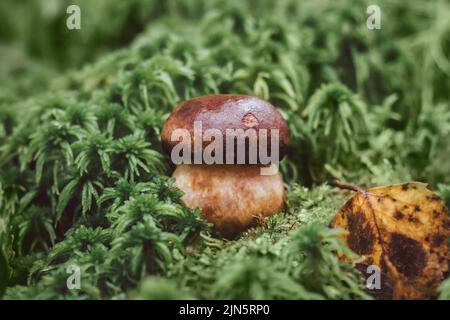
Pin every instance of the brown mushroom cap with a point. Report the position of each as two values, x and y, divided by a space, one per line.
232 197
224 112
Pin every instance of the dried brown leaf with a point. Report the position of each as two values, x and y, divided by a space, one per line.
402 229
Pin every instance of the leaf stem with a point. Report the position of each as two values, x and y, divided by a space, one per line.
348 186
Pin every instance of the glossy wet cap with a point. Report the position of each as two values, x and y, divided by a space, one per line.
224 112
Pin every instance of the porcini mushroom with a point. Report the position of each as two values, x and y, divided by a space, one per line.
230 196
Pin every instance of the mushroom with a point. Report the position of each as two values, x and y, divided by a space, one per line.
232 196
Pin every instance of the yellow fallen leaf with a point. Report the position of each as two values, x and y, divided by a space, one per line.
403 229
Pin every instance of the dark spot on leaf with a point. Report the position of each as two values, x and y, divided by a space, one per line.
434 197
407 255
438 239
361 238
413 219
398 215
447 224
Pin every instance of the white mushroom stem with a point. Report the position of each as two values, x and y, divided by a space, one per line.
232 197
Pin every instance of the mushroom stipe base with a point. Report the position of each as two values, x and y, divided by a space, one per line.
232 197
